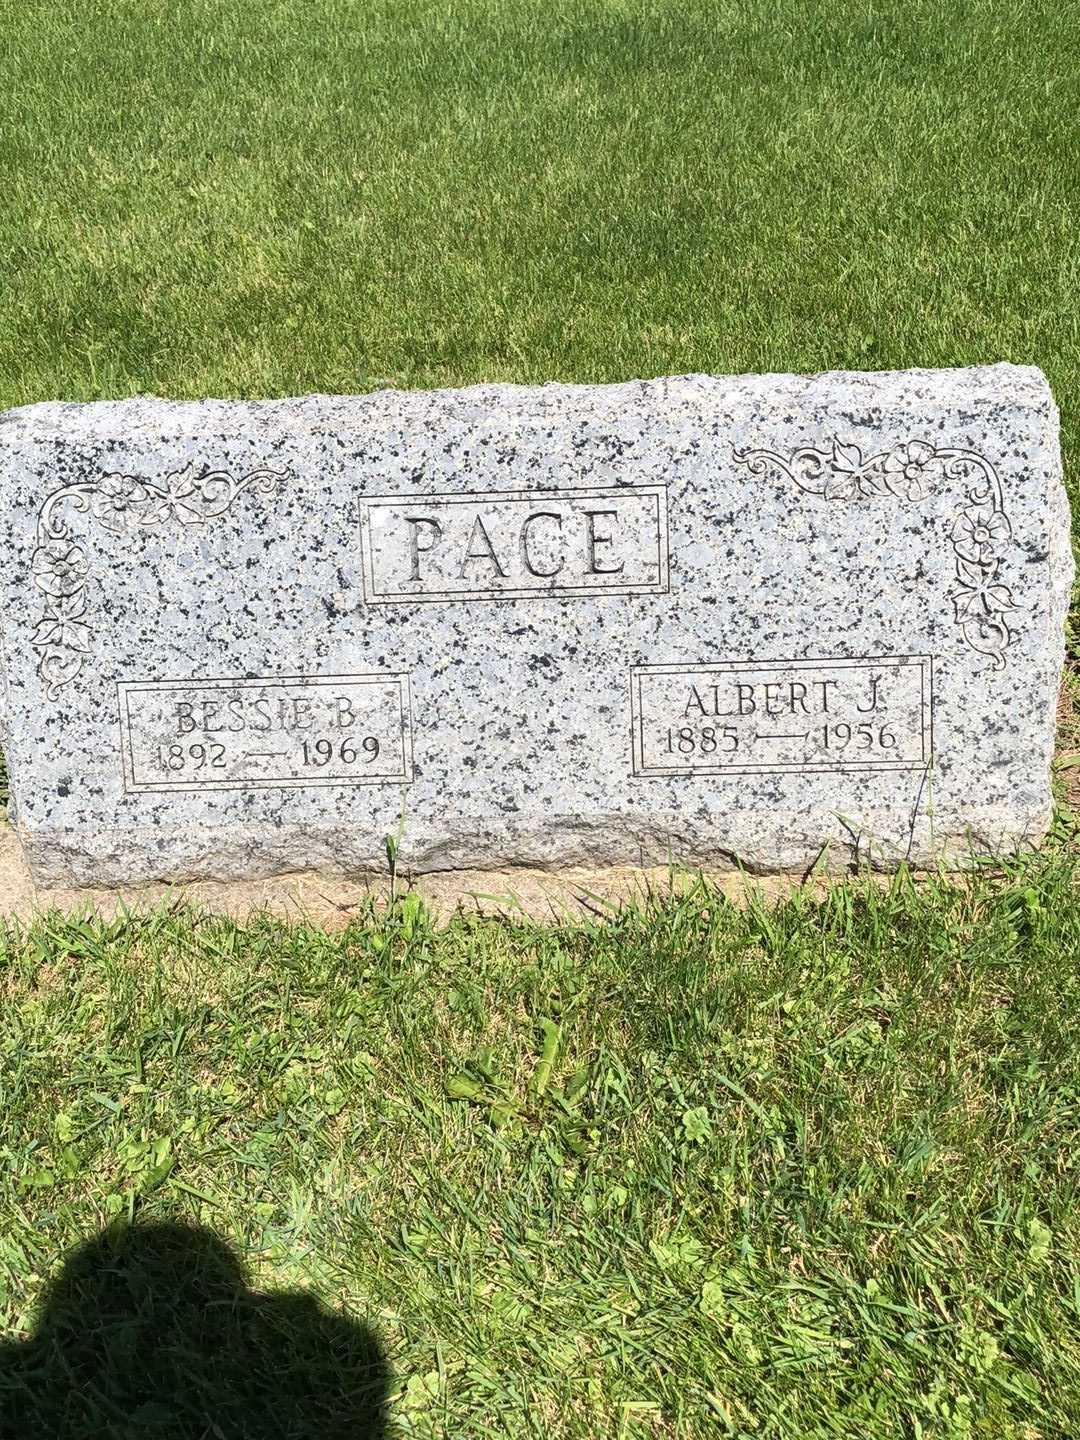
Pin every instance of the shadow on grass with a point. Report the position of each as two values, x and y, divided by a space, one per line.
152 1331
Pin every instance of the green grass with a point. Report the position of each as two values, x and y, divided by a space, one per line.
693 1170
226 198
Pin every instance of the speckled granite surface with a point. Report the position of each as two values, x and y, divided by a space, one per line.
733 620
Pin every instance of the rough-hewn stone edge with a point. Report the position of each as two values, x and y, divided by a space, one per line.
1023 386
258 854
332 902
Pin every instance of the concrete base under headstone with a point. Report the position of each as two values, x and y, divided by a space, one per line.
332 901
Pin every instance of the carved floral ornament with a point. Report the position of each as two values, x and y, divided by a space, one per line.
122 504
980 528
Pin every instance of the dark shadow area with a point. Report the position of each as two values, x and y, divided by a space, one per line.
152 1331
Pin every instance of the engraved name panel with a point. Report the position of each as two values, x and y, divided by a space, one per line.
801 716
515 544
265 733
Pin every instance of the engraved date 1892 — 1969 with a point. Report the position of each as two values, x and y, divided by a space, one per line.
269 733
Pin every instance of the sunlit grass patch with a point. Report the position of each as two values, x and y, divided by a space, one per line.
799 1170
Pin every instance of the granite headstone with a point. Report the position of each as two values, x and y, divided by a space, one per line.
759 621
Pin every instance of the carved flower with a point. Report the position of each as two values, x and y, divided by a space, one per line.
909 468
975 533
61 626
120 503
59 568
849 475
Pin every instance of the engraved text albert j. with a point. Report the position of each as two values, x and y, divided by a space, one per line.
787 697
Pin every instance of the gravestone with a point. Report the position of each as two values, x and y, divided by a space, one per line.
759 621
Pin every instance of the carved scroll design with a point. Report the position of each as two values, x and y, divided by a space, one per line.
979 531
122 504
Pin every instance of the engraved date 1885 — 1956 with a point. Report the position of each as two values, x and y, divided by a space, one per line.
797 715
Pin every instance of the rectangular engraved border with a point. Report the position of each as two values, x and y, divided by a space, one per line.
124 688
896 662
537 592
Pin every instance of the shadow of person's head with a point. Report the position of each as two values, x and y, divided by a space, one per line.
152 1331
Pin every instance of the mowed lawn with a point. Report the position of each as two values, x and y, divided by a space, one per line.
211 197
688 1171
691 1171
